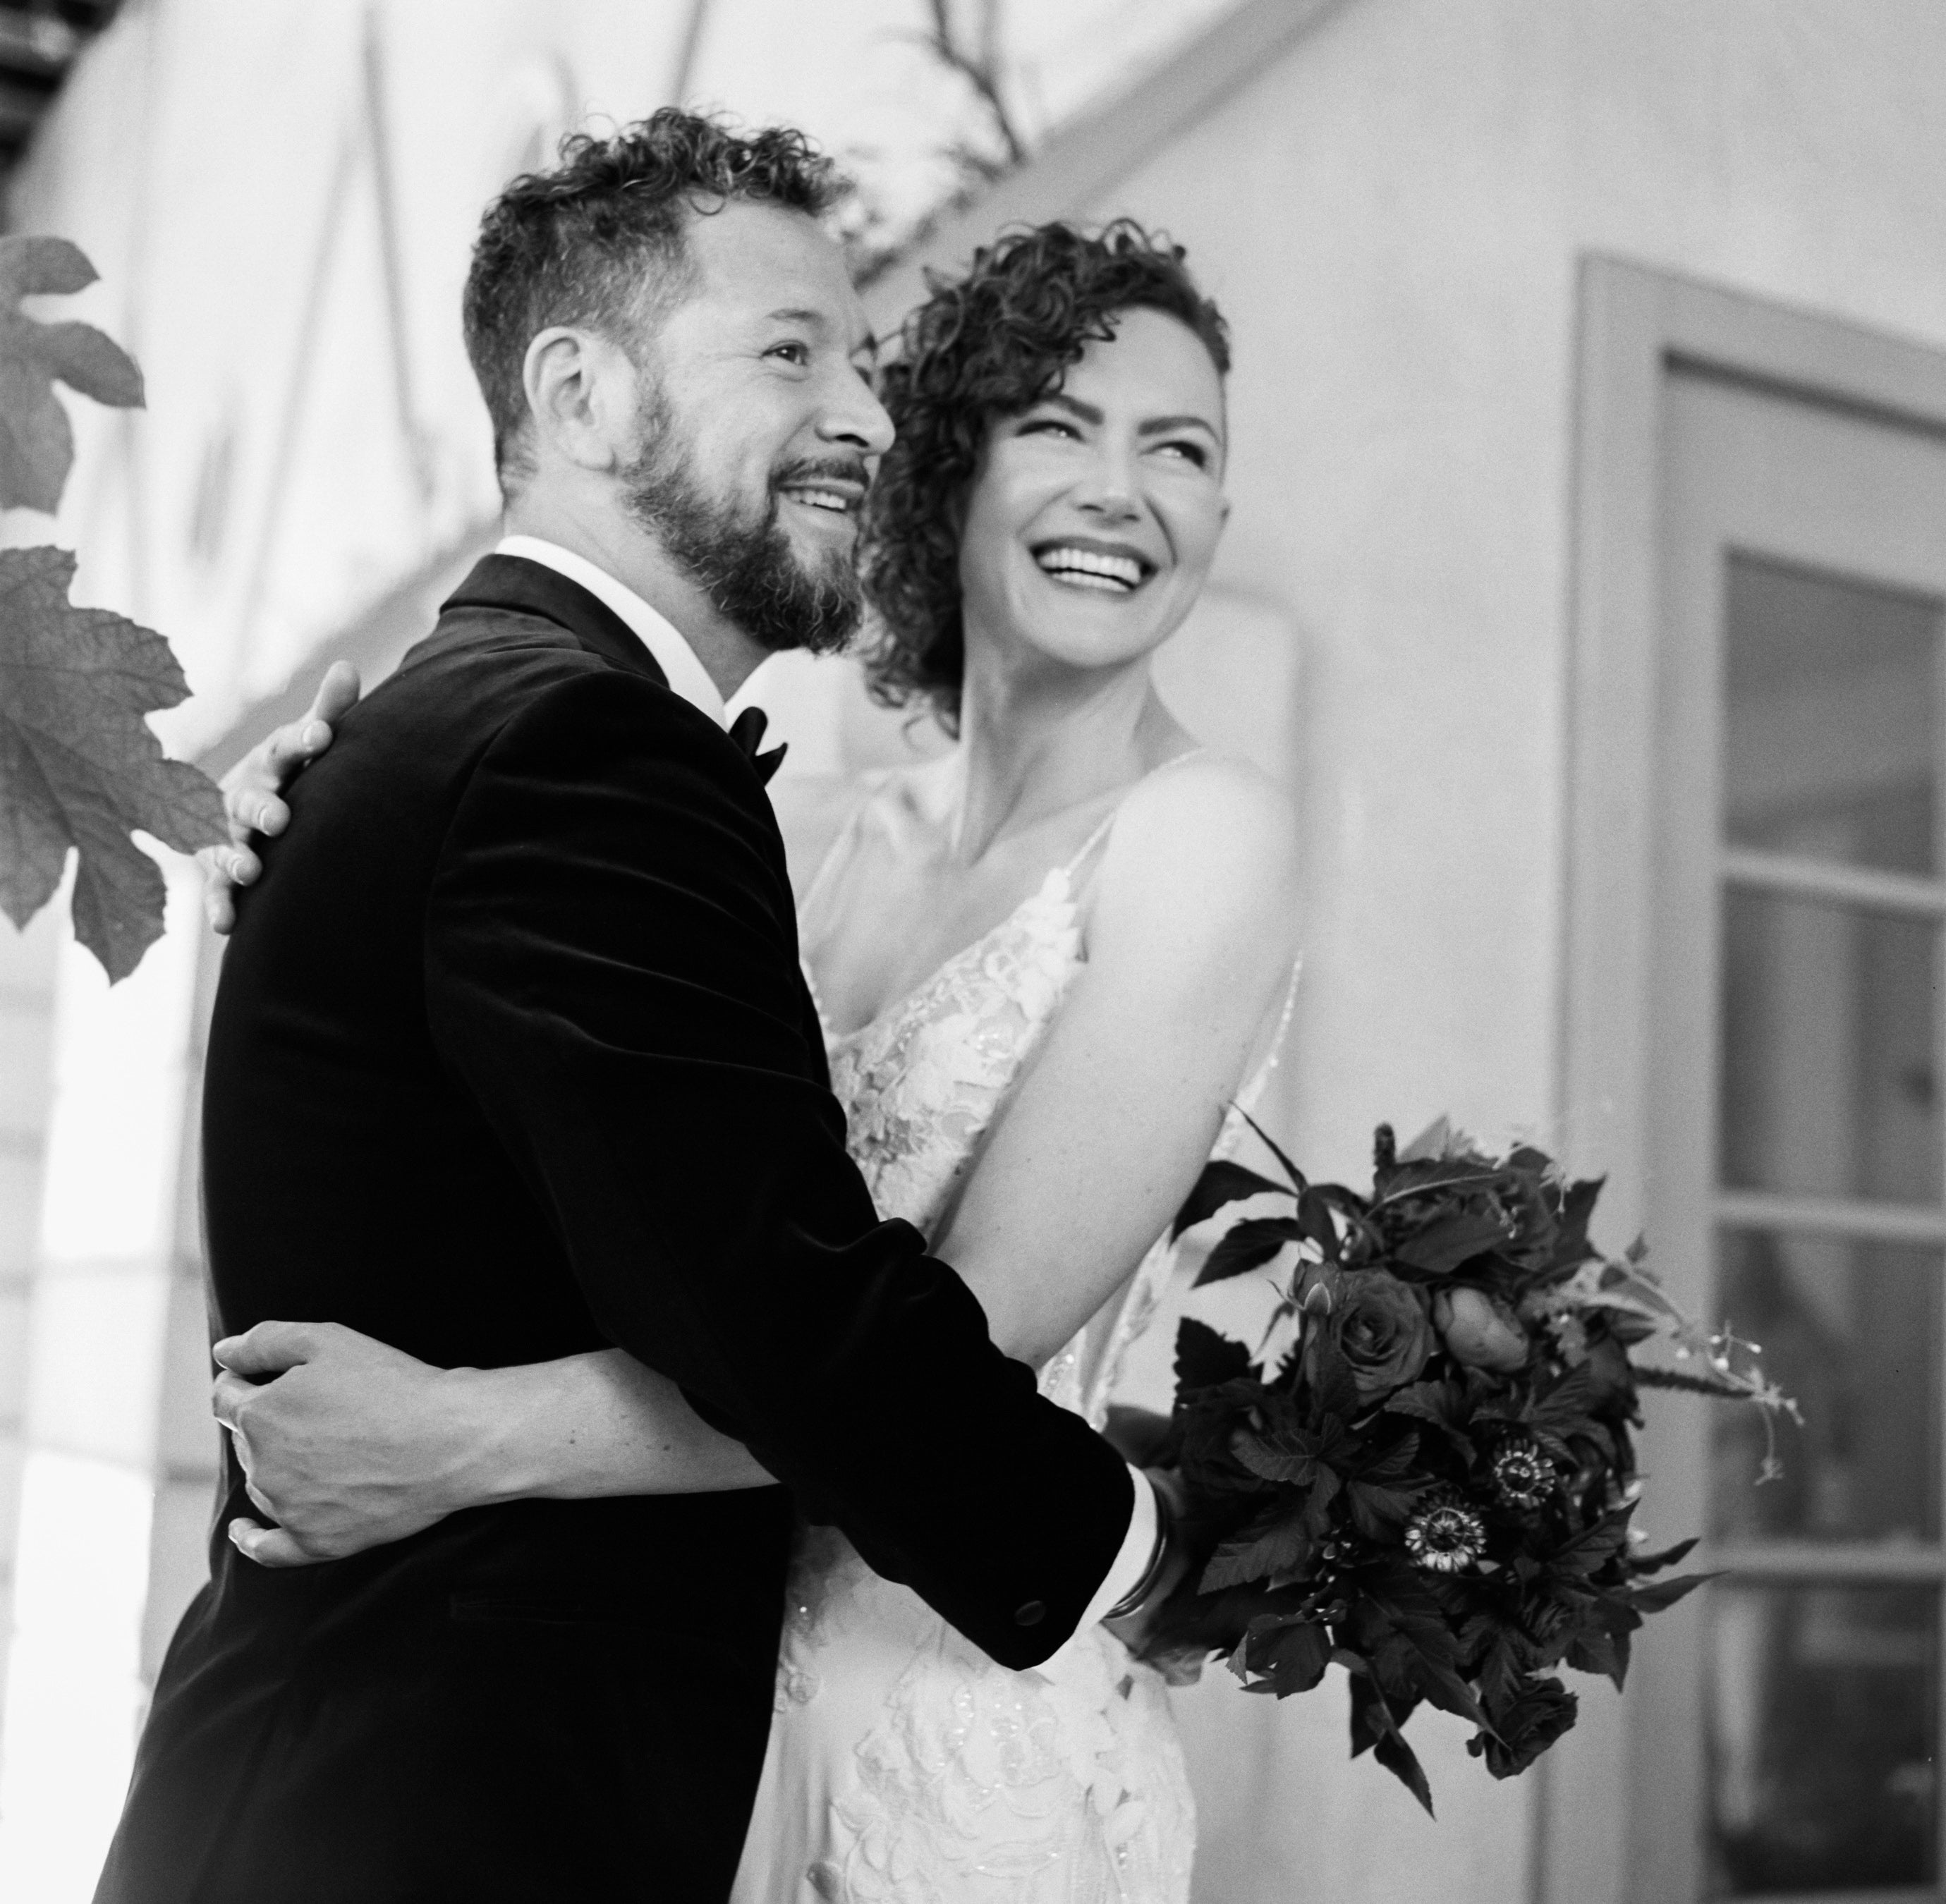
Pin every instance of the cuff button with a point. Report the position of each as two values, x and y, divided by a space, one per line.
1030 1614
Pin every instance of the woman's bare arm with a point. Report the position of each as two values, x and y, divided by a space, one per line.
1191 938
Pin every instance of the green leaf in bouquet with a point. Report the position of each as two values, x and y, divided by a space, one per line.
36 444
1562 1409
1247 1245
1375 1730
1221 1183
1443 1403
1277 1542
1661 1594
1205 1358
1315 1224
1283 1655
1592 1548
1667 1556
1594 1650
80 767
1290 1454
1571 1245
1440 1248
1332 1391
1296 1176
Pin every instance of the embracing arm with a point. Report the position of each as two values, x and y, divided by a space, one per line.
1189 940
1189 944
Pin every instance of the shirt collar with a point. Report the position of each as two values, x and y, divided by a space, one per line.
687 675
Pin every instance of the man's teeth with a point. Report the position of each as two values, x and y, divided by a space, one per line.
1115 575
823 499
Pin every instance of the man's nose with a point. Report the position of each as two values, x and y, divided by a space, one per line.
856 419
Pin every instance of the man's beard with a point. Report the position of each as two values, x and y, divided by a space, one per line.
743 557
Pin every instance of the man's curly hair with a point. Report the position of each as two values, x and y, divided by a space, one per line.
990 345
599 241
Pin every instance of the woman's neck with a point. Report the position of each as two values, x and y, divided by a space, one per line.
1035 741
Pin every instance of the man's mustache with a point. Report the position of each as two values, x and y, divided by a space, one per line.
843 469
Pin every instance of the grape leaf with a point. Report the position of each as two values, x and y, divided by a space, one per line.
79 766
36 446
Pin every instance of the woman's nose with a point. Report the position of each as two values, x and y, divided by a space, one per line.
1109 489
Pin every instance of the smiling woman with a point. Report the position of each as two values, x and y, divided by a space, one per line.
1007 341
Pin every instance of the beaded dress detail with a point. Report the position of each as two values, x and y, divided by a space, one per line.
904 1764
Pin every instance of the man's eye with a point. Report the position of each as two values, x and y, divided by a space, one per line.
796 353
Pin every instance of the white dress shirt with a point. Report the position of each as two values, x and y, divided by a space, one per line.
688 678
687 675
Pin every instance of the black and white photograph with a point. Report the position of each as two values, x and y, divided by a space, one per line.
961 952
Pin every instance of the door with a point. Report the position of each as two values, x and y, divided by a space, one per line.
1786 1738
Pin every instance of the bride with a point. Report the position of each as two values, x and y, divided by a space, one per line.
1045 963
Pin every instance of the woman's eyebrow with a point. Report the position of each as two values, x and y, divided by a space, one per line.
1156 425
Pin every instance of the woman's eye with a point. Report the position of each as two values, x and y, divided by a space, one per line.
1192 452
796 353
1047 426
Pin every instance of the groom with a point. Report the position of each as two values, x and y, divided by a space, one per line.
512 1059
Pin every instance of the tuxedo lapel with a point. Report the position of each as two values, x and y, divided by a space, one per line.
511 582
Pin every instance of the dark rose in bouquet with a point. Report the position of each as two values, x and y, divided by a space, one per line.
1432 1487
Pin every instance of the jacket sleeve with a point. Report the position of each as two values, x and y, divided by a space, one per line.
611 971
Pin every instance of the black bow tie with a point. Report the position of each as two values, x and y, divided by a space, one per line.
747 731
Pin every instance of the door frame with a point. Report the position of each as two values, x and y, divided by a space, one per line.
1596 1840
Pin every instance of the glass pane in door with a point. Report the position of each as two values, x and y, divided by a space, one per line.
1822 1727
1832 718
1830 1031
1850 1327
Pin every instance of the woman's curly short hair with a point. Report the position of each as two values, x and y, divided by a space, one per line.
599 240
989 345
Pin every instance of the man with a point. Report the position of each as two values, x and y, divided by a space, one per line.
513 1059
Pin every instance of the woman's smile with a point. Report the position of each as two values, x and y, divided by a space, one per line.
1097 567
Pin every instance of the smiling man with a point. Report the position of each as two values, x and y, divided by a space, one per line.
513 1059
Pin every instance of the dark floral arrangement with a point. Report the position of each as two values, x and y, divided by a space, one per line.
1433 1486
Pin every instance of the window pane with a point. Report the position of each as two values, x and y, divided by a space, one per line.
1823 1704
1829 1026
1851 1329
1833 719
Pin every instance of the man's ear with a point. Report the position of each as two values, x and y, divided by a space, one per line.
581 397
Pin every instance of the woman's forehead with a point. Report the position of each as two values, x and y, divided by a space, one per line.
1151 354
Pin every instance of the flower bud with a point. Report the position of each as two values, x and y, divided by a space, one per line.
1478 1331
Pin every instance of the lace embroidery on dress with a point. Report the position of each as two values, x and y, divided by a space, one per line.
922 1772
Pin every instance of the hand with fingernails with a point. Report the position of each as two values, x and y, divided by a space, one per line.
252 791
346 1442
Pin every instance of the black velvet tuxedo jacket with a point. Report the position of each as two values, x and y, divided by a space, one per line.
512 1058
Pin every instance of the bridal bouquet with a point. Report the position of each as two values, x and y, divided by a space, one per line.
1432 1484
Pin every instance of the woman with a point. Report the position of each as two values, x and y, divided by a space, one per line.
1046 961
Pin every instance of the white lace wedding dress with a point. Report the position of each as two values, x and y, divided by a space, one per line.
903 1765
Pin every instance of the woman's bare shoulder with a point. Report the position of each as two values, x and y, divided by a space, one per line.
1212 805
1206 848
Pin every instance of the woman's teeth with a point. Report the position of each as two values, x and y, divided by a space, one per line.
1114 575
